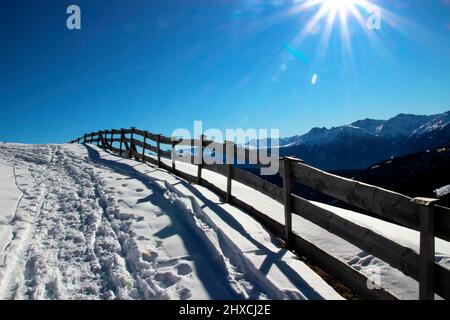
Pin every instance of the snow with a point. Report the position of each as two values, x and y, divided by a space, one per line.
9 197
437 123
382 273
93 226
442 191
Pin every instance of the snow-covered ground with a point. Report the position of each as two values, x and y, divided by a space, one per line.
375 269
79 223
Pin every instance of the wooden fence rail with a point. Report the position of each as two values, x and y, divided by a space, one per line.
419 214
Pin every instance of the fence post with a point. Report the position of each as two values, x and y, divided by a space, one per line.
158 153
121 142
200 158
287 187
98 138
174 140
143 148
104 139
427 248
84 138
131 151
78 140
112 138
229 159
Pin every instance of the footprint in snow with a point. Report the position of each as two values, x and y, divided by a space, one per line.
185 294
183 269
166 279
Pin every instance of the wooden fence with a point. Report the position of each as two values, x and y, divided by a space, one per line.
421 214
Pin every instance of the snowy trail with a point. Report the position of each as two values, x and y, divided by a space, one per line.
89 227
376 270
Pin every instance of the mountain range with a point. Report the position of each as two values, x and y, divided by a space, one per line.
364 142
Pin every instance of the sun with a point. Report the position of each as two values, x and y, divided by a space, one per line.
330 15
338 4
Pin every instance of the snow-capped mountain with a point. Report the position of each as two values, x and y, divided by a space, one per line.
363 142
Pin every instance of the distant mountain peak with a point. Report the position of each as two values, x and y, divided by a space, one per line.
366 141
370 125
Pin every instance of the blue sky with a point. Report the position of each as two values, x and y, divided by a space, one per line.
160 65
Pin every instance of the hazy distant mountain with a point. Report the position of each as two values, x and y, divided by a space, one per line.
424 173
367 141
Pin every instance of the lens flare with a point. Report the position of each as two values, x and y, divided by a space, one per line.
327 13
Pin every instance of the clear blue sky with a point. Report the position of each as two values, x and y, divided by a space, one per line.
160 65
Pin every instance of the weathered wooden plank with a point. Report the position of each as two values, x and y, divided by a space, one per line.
146 146
229 175
245 156
158 149
391 205
441 283
217 146
229 160
253 156
132 146
398 256
173 155
442 222
111 137
122 136
164 140
388 204
361 237
188 143
287 190
165 154
258 184
150 136
335 267
427 248
139 132
242 155
217 168
200 160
